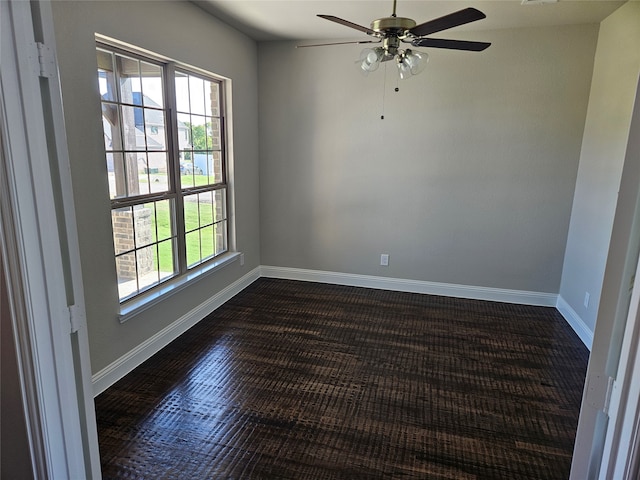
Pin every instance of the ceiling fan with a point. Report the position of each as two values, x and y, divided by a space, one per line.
391 31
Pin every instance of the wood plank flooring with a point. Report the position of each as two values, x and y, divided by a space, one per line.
297 380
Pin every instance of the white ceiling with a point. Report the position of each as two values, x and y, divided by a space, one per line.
297 20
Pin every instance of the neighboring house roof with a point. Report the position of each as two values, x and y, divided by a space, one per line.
152 118
140 137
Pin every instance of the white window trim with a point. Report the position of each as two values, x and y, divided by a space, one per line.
137 304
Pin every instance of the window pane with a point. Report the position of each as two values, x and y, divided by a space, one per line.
144 180
152 91
205 208
212 102
209 167
182 91
133 128
221 237
199 132
154 129
207 241
191 216
134 164
152 172
115 171
111 127
106 78
147 267
122 224
196 95
200 168
163 223
143 224
214 138
187 170
127 277
193 248
219 205
130 86
157 172
215 170
166 267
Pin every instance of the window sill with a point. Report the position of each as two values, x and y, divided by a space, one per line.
139 304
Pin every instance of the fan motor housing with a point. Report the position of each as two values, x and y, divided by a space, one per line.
392 24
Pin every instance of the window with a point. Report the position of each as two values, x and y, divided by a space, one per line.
165 151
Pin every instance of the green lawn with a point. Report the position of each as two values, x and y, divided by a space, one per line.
197 242
187 181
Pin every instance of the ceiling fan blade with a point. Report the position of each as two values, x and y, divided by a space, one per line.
347 23
454 19
450 44
337 43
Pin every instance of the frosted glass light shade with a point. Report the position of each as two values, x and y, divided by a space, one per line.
411 63
370 59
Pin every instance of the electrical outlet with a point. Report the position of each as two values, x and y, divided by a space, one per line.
586 299
241 259
384 259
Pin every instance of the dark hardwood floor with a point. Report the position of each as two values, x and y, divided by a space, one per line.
308 381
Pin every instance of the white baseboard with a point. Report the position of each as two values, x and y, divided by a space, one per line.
413 286
125 364
574 320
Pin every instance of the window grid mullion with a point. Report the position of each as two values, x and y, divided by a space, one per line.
135 246
144 126
139 199
174 165
118 98
176 195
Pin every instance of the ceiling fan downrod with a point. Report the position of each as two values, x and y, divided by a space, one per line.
393 25
390 44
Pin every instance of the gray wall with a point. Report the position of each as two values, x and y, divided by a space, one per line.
178 30
468 180
613 89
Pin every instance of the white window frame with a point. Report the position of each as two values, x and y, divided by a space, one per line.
135 304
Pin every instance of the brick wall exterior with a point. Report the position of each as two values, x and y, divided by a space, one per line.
126 237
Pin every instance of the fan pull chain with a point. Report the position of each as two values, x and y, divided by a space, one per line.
384 90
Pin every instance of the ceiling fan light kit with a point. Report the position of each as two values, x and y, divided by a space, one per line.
391 31
411 63
370 59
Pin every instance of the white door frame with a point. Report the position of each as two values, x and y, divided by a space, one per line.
40 250
39 247
621 446
599 446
